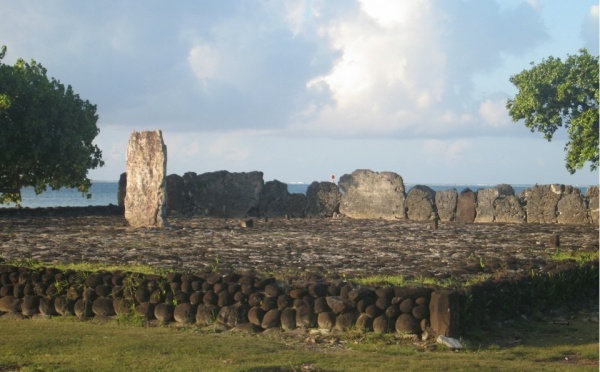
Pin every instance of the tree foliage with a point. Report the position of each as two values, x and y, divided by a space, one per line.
557 94
46 132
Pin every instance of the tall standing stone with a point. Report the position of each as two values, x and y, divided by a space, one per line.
146 197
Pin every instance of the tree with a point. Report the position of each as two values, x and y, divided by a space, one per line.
557 94
46 133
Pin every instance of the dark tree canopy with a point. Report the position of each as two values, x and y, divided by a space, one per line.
46 132
557 94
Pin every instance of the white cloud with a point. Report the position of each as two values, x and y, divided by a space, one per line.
231 149
494 113
447 152
589 31
407 68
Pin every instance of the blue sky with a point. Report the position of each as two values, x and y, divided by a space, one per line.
304 89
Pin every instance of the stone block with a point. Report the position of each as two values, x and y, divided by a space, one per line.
420 204
444 313
465 206
322 199
372 195
571 208
445 202
146 197
591 194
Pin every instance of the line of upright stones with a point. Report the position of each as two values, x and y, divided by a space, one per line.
242 301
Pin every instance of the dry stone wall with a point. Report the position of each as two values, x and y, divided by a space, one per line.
253 304
232 300
365 194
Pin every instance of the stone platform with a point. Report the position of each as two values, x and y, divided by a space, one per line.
296 247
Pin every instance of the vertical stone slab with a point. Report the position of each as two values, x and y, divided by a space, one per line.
372 195
146 197
322 199
571 208
591 194
541 203
420 204
484 209
465 206
444 313
445 202
122 189
508 209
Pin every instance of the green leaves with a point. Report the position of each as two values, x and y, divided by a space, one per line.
46 132
557 94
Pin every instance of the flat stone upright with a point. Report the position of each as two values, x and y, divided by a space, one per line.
146 197
372 195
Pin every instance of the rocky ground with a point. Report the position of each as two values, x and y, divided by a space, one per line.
296 247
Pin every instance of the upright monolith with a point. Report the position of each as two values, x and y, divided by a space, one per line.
146 197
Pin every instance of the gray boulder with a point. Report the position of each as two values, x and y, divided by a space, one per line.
420 204
591 195
445 202
322 199
369 194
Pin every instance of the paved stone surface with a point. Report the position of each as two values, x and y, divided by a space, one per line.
296 246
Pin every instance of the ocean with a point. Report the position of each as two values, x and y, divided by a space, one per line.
105 193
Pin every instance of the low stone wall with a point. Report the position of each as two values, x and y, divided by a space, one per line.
252 304
373 195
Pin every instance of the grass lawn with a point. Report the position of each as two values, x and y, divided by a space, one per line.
67 344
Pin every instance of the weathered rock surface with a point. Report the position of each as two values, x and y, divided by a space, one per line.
465 206
177 198
145 199
508 209
541 203
322 199
349 246
445 202
223 194
571 208
273 199
372 195
593 204
420 204
486 199
122 189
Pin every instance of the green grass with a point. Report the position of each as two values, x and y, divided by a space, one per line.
400 281
91 267
65 344
581 257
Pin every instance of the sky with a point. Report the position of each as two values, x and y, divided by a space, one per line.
303 89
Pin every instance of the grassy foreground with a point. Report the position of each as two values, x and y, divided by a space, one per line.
66 344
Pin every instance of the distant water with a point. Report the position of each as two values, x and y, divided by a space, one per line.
105 193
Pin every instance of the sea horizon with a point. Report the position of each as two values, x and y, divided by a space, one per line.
105 193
